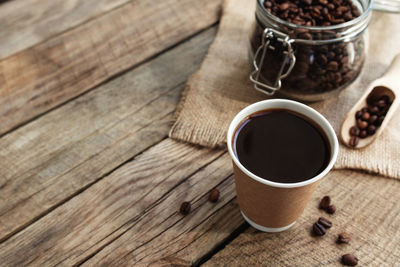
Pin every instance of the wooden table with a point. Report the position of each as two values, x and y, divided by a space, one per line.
88 175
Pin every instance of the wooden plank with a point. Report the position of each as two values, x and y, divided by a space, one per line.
162 235
25 23
46 75
368 208
120 201
49 160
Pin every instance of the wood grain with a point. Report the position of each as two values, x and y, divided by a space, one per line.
368 208
28 22
64 151
161 233
48 74
142 195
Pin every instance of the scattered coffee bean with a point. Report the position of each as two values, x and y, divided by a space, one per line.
214 195
354 140
331 209
318 229
343 238
349 260
185 208
325 202
325 222
354 131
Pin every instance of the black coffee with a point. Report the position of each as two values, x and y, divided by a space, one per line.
281 146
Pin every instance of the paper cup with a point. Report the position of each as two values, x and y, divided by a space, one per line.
271 206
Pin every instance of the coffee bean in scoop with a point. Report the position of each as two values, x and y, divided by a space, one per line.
368 119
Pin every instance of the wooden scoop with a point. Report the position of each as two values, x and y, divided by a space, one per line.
388 84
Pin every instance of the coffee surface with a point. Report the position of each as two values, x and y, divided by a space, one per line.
281 146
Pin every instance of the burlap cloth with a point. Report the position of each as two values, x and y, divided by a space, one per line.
221 88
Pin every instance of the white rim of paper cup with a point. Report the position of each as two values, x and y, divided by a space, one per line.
266 229
297 107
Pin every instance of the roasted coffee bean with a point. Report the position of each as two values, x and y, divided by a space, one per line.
343 238
325 202
321 59
325 222
349 260
307 2
364 109
331 209
365 116
354 131
374 110
318 229
348 16
379 121
185 208
371 129
305 35
363 134
214 195
330 76
315 12
381 104
338 78
383 111
355 12
345 60
353 141
372 119
284 6
362 124
333 66
338 21
358 114
385 98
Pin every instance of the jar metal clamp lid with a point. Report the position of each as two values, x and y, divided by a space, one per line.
268 35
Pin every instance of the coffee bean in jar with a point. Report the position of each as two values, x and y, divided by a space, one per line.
308 49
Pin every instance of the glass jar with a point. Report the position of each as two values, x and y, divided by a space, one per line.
387 5
307 63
